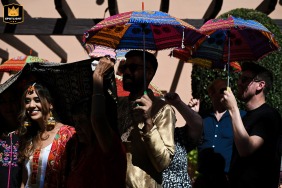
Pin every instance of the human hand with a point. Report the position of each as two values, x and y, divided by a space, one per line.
229 99
194 104
104 66
144 105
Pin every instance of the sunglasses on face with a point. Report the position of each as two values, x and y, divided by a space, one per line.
245 79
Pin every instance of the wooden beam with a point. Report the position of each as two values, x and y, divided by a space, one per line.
164 6
63 9
213 10
46 26
4 55
113 7
176 77
18 44
52 45
267 6
195 22
46 40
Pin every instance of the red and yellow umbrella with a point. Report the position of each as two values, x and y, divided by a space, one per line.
17 63
186 56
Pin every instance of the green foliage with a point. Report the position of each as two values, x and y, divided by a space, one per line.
201 77
192 164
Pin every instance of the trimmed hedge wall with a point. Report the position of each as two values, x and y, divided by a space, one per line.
202 77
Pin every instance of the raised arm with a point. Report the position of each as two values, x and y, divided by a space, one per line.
100 123
245 143
193 120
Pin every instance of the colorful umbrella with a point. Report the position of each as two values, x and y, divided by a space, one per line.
186 56
235 39
150 30
16 64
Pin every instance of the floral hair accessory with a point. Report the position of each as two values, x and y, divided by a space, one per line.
31 89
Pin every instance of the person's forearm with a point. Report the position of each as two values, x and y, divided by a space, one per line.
193 120
99 120
241 136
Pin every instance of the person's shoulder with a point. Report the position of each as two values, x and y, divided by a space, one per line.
159 103
67 129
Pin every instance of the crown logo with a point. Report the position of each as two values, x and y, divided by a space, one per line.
13 12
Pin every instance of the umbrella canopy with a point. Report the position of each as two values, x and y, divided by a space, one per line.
17 63
236 38
150 30
186 56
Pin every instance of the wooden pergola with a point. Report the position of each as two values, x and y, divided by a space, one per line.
67 24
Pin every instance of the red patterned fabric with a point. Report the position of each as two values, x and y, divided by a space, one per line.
55 169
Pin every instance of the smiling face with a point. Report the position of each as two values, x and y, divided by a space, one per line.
34 107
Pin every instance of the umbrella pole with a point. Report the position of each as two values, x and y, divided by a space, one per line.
144 62
228 59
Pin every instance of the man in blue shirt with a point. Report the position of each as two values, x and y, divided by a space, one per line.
215 150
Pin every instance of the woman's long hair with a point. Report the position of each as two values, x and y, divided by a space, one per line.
30 135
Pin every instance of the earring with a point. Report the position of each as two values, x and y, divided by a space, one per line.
51 120
27 123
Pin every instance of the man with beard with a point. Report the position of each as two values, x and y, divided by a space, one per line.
256 159
146 123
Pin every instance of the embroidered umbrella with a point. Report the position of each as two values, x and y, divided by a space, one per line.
147 30
235 39
17 63
150 30
186 56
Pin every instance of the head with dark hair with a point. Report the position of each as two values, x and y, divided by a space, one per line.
260 74
254 82
149 57
37 107
43 97
133 70
215 92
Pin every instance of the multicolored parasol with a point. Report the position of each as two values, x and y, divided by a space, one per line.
16 64
150 30
186 56
235 39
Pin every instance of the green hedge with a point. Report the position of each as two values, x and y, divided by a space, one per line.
202 77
